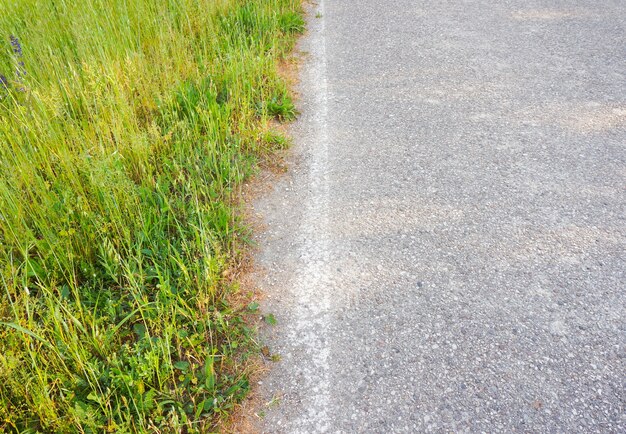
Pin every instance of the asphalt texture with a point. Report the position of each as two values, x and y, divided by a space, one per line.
447 250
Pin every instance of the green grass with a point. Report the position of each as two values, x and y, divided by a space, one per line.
125 128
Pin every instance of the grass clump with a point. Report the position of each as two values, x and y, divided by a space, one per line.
125 127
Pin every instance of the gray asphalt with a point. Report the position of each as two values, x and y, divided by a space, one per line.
447 251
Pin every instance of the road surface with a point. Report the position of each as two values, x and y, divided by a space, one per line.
447 251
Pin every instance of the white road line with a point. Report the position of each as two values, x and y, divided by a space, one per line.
312 286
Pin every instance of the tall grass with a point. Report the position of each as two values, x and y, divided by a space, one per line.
124 128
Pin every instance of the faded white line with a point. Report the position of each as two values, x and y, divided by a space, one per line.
312 287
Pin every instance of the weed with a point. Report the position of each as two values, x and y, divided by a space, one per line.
292 22
276 140
121 147
270 319
281 107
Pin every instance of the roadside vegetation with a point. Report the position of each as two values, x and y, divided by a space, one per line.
125 127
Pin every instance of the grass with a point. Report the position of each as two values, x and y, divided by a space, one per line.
125 128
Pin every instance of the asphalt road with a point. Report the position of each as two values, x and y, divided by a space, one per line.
447 251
